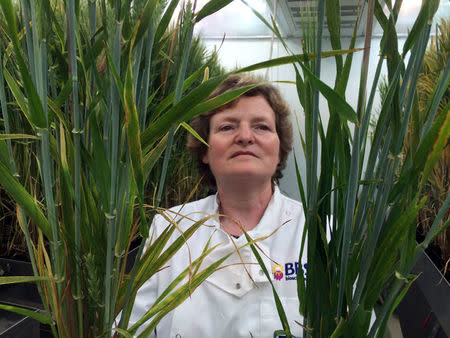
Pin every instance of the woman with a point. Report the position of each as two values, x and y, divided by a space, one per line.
249 141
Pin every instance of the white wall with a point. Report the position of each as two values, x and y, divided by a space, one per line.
243 52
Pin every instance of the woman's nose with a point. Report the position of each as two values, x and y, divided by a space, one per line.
245 135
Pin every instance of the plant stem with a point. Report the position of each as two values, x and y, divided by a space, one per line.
77 132
112 215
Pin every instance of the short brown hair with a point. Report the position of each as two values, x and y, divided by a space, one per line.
272 95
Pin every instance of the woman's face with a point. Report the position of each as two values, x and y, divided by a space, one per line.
243 141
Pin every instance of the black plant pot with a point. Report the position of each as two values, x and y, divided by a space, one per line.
27 295
13 325
23 294
425 309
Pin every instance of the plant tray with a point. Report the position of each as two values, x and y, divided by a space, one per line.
13 325
425 310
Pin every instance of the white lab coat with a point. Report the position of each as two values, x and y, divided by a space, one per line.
228 303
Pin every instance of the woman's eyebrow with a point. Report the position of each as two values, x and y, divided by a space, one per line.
228 119
261 119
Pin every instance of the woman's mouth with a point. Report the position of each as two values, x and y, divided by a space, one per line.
243 153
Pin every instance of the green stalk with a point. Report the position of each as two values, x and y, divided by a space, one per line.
177 97
312 140
46 161
443 86
412 83
178 93
352 187
123 228
92 25
30 249
40 55
36 48
143 97
112 214
13 169
28 36
77 132
92 18
362 213
142 110
380 207
5 114
137 63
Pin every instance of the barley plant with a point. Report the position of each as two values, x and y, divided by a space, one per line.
362 194
84 125
96 133
438 184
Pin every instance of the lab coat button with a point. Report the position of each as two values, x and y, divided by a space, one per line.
238 286
261 273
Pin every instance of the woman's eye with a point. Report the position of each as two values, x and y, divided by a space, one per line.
225 128
262 127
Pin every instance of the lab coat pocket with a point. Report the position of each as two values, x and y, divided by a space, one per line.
270 320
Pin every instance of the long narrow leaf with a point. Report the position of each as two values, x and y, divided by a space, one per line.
21 279
29 313
24 199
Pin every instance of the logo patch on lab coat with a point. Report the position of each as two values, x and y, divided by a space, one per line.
277 271
289 271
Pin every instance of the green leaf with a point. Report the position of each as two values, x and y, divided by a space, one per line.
100 166
272 27
284 60
191 269
181 294
334 27
17 137
25 200
194 133
21 279
178 243
167 101
211 7
37 115
217 101
145 18
280 309
395 304
417 29
436 140
153 157
4 155
18 95
178 112
64 93
64 119
384 260
165 20
122 332
133 130
436 227
29 313
344 110
146 269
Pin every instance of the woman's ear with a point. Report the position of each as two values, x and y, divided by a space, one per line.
205 158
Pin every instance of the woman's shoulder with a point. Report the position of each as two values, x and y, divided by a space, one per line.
194 210
288 202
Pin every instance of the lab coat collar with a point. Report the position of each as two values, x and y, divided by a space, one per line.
234 278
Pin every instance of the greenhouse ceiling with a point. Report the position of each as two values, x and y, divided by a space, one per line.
238 21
